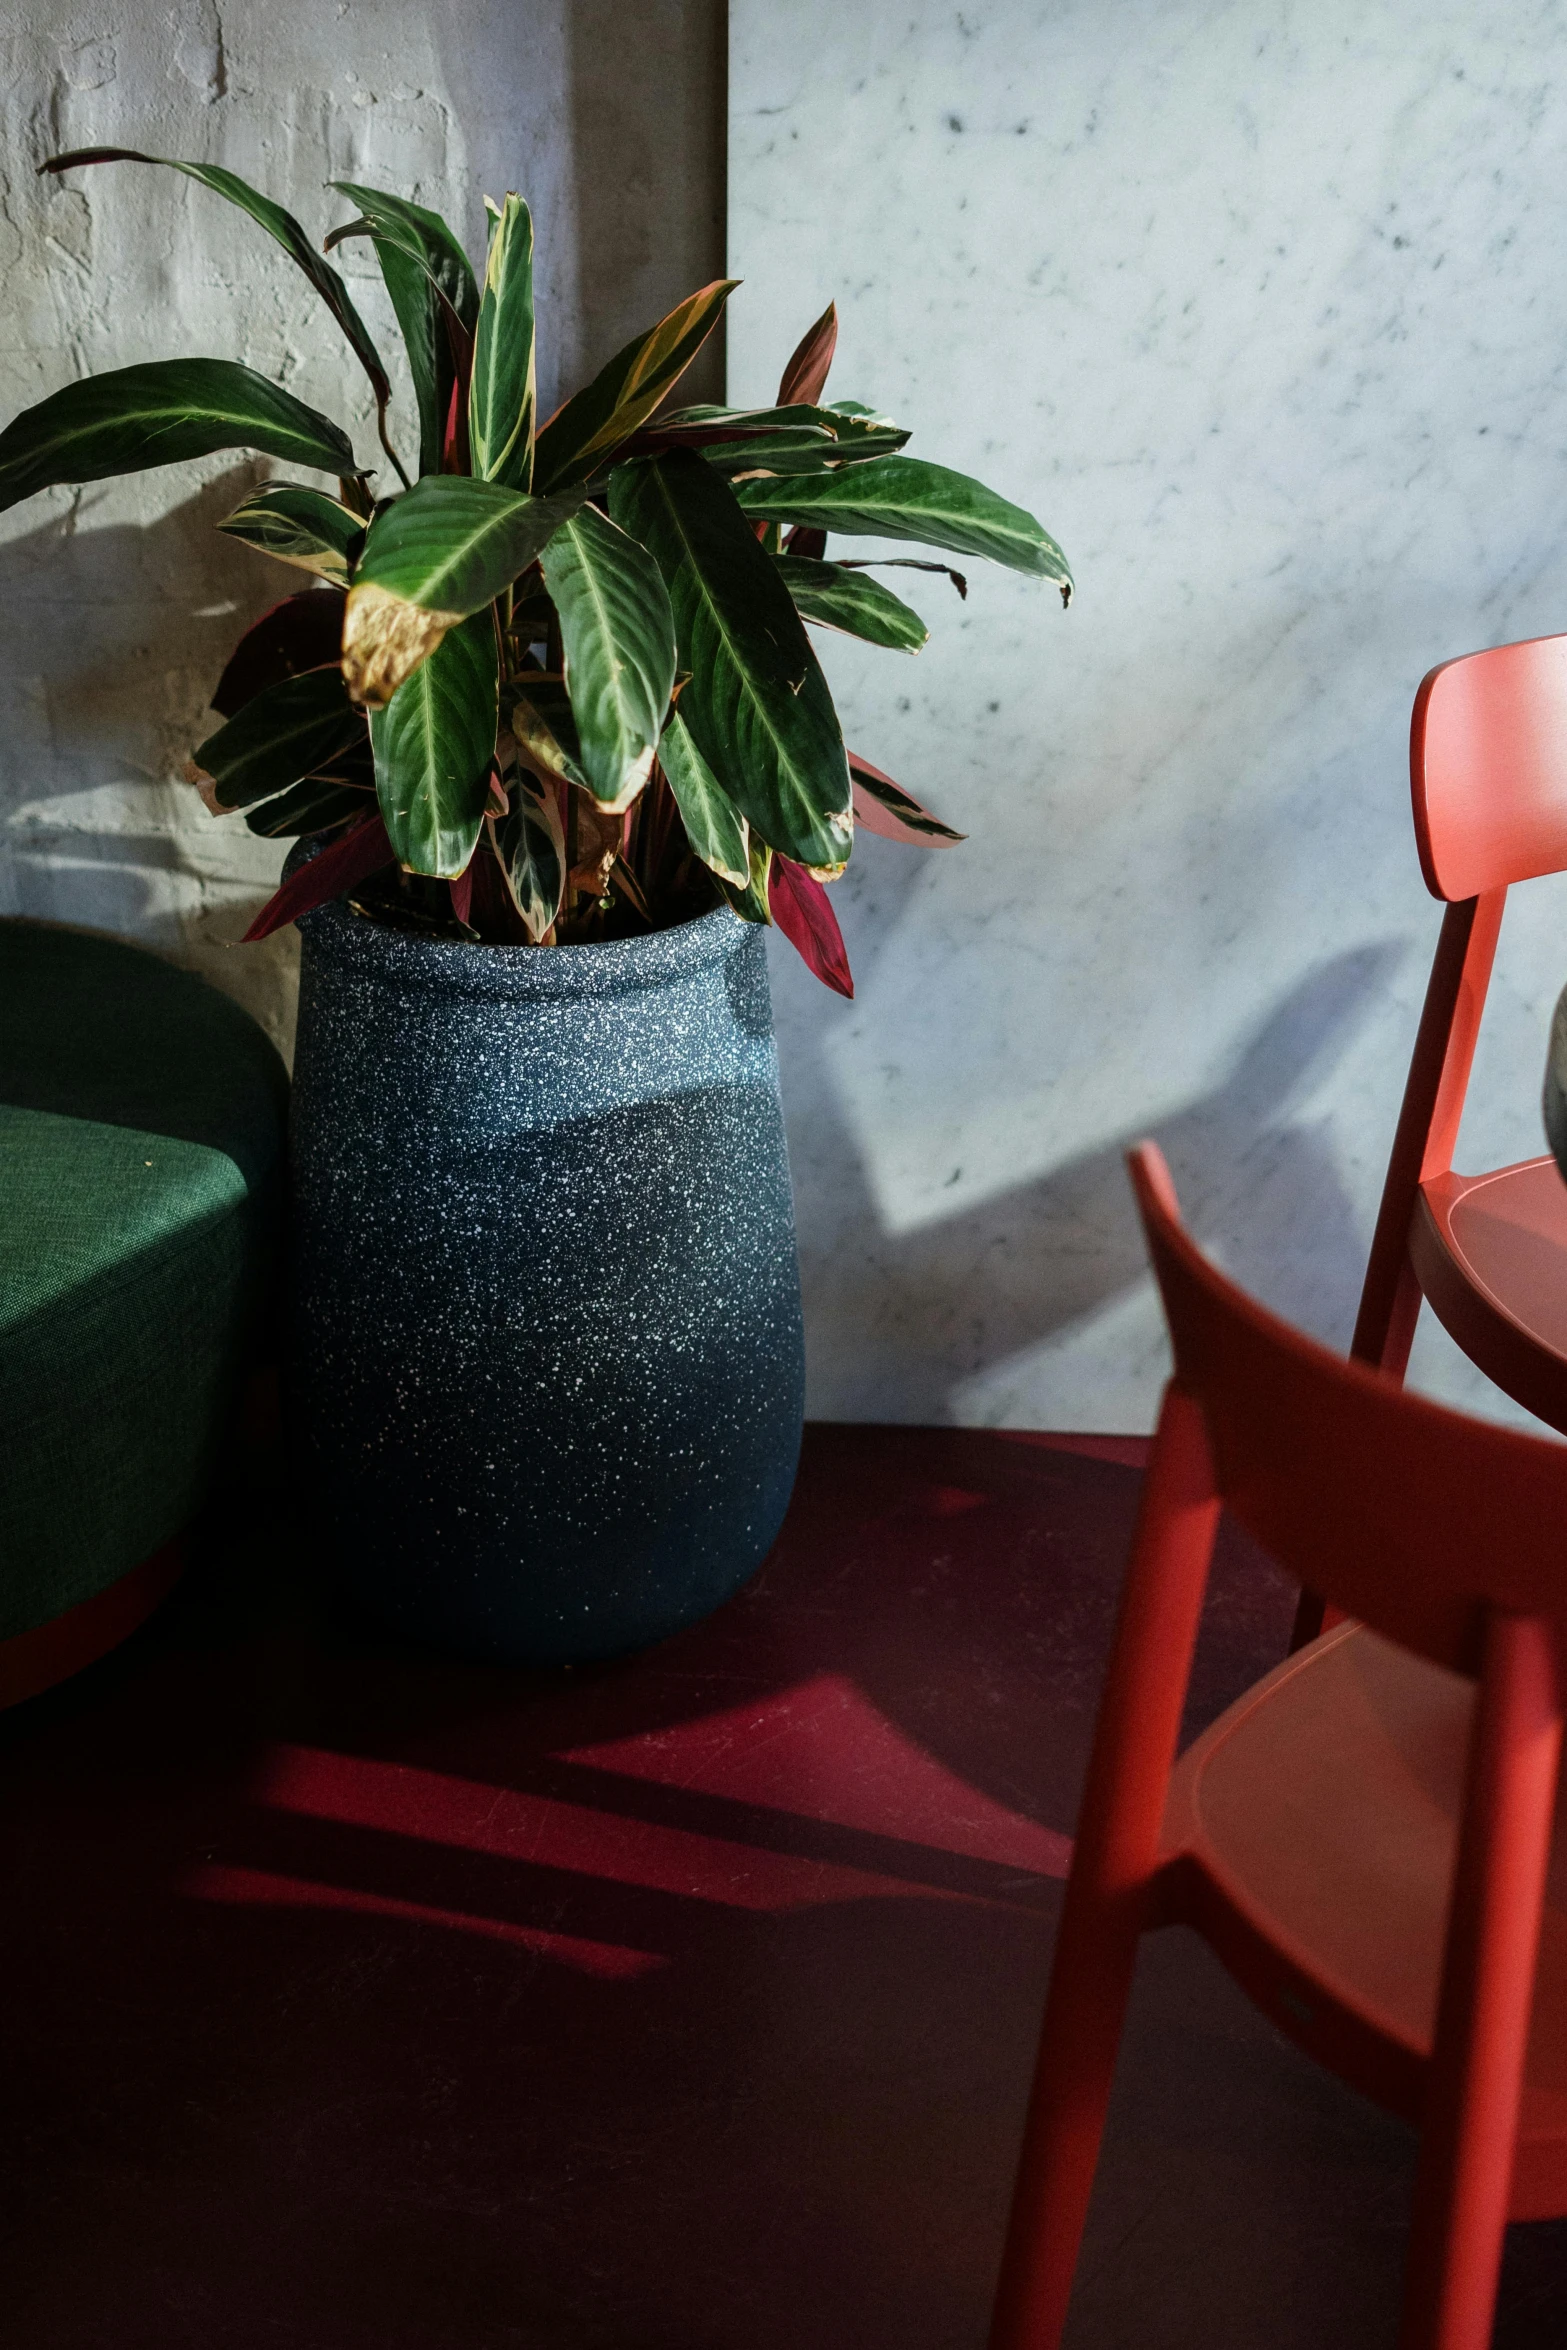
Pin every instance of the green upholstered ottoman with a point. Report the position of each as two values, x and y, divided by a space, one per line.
141 1168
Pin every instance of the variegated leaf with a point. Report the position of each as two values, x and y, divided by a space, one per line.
885 807
281 734
594 422
433 744
904 498
300 526
501 396
714 825
531 848
846 600
618 636
444 549
757 704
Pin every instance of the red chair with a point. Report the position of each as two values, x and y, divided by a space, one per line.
1488 771
1365 1838
1488 775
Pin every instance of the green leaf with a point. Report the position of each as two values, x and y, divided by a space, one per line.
284 732
714 825
160 414
287 231
751 903
618 636
432 290
421 236
623 395
312 805
419 311
433 744
532 852
501 396
904 498
847 600
300 526
444 549
795 439
757 705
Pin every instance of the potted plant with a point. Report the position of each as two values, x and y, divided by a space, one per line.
548 730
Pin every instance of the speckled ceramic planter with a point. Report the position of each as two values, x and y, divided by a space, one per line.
546 1371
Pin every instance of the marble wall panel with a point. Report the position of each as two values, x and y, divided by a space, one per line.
1260 309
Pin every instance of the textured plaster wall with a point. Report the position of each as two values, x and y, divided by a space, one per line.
120 600
1260 307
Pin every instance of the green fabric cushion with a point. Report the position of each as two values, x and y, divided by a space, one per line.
140 1174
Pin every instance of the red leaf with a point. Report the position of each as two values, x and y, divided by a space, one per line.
805 377
462 891
359 853
303 632
802 540
799 906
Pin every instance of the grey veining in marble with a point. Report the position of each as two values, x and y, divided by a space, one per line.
1259 308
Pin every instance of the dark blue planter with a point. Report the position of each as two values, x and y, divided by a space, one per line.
546 1373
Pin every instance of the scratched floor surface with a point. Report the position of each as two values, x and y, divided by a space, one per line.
355 2001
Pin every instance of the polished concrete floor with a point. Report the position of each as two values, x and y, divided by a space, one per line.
355 2000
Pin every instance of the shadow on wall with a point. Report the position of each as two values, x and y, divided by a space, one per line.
923 1311
647 98
115 640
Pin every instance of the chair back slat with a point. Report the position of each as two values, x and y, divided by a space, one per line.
1488 768
1412 1518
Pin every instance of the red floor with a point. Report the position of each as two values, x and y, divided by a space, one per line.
358 2002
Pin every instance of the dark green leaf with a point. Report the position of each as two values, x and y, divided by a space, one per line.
501 395
432 291
757 705
312 805
434 742
580 437
288 233
847 600
420 315
618 635
904 498
545 726
714 825
286 731
160 414
300 526
532 852
423 237
446 548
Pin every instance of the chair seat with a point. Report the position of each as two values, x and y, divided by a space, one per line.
1311 1834
1491 1255
141 1124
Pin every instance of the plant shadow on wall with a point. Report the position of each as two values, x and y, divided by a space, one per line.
113 700
923 1312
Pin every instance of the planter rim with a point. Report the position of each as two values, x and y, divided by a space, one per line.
520 974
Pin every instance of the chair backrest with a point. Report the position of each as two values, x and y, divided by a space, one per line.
1412 1518
1488 768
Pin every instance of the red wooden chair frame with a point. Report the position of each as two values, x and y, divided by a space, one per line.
1435 1532
1488 776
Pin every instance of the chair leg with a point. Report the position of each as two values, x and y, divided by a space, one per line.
1112 1882
1477 2063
